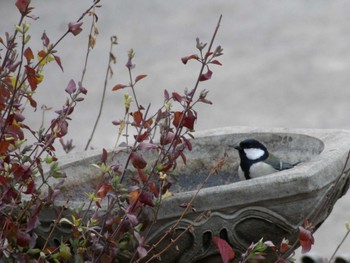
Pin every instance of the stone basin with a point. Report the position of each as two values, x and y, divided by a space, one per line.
241 212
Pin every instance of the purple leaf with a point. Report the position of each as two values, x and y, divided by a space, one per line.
71 88
75 28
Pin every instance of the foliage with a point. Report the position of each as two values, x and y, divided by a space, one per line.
25 188
114 224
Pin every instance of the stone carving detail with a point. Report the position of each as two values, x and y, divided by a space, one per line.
238 229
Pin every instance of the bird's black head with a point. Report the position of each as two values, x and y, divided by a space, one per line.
251 144
251 151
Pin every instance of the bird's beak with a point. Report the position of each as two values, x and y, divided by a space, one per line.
237 147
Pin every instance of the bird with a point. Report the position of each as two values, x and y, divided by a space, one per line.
257 161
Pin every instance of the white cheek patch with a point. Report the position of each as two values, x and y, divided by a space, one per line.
253 153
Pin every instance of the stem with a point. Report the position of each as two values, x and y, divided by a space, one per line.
188 106
93 21
132 85
103 96
339 245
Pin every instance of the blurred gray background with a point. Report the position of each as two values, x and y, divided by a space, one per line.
285 64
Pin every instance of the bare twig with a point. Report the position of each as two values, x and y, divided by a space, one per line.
108 73
339 245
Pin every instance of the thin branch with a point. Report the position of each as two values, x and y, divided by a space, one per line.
339 245
110 60
204 65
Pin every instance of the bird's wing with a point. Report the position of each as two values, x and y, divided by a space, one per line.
277 163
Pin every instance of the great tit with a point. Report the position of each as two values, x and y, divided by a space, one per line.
257 161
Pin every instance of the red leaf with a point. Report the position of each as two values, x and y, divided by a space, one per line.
166 95
148 123
23 239
133 196
146 198
183 156
270 244
28 54
135 181
177 118
137 117
147 146
206 76
186 59
177 97
34 221
62 128
208 54
306 239
167 138
22 5
41 53
159 115
33 81
4 146
142 176
118 87
154 189
21 172
30 188
45 39
75 28
58 61
187 143
166 167
205 101
226 252
189 119
32 102
284 245
3 181
137 160
139 77
104 155
216 62
19 117
141 137
104 189
15 131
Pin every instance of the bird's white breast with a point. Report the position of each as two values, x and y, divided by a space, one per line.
256 170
